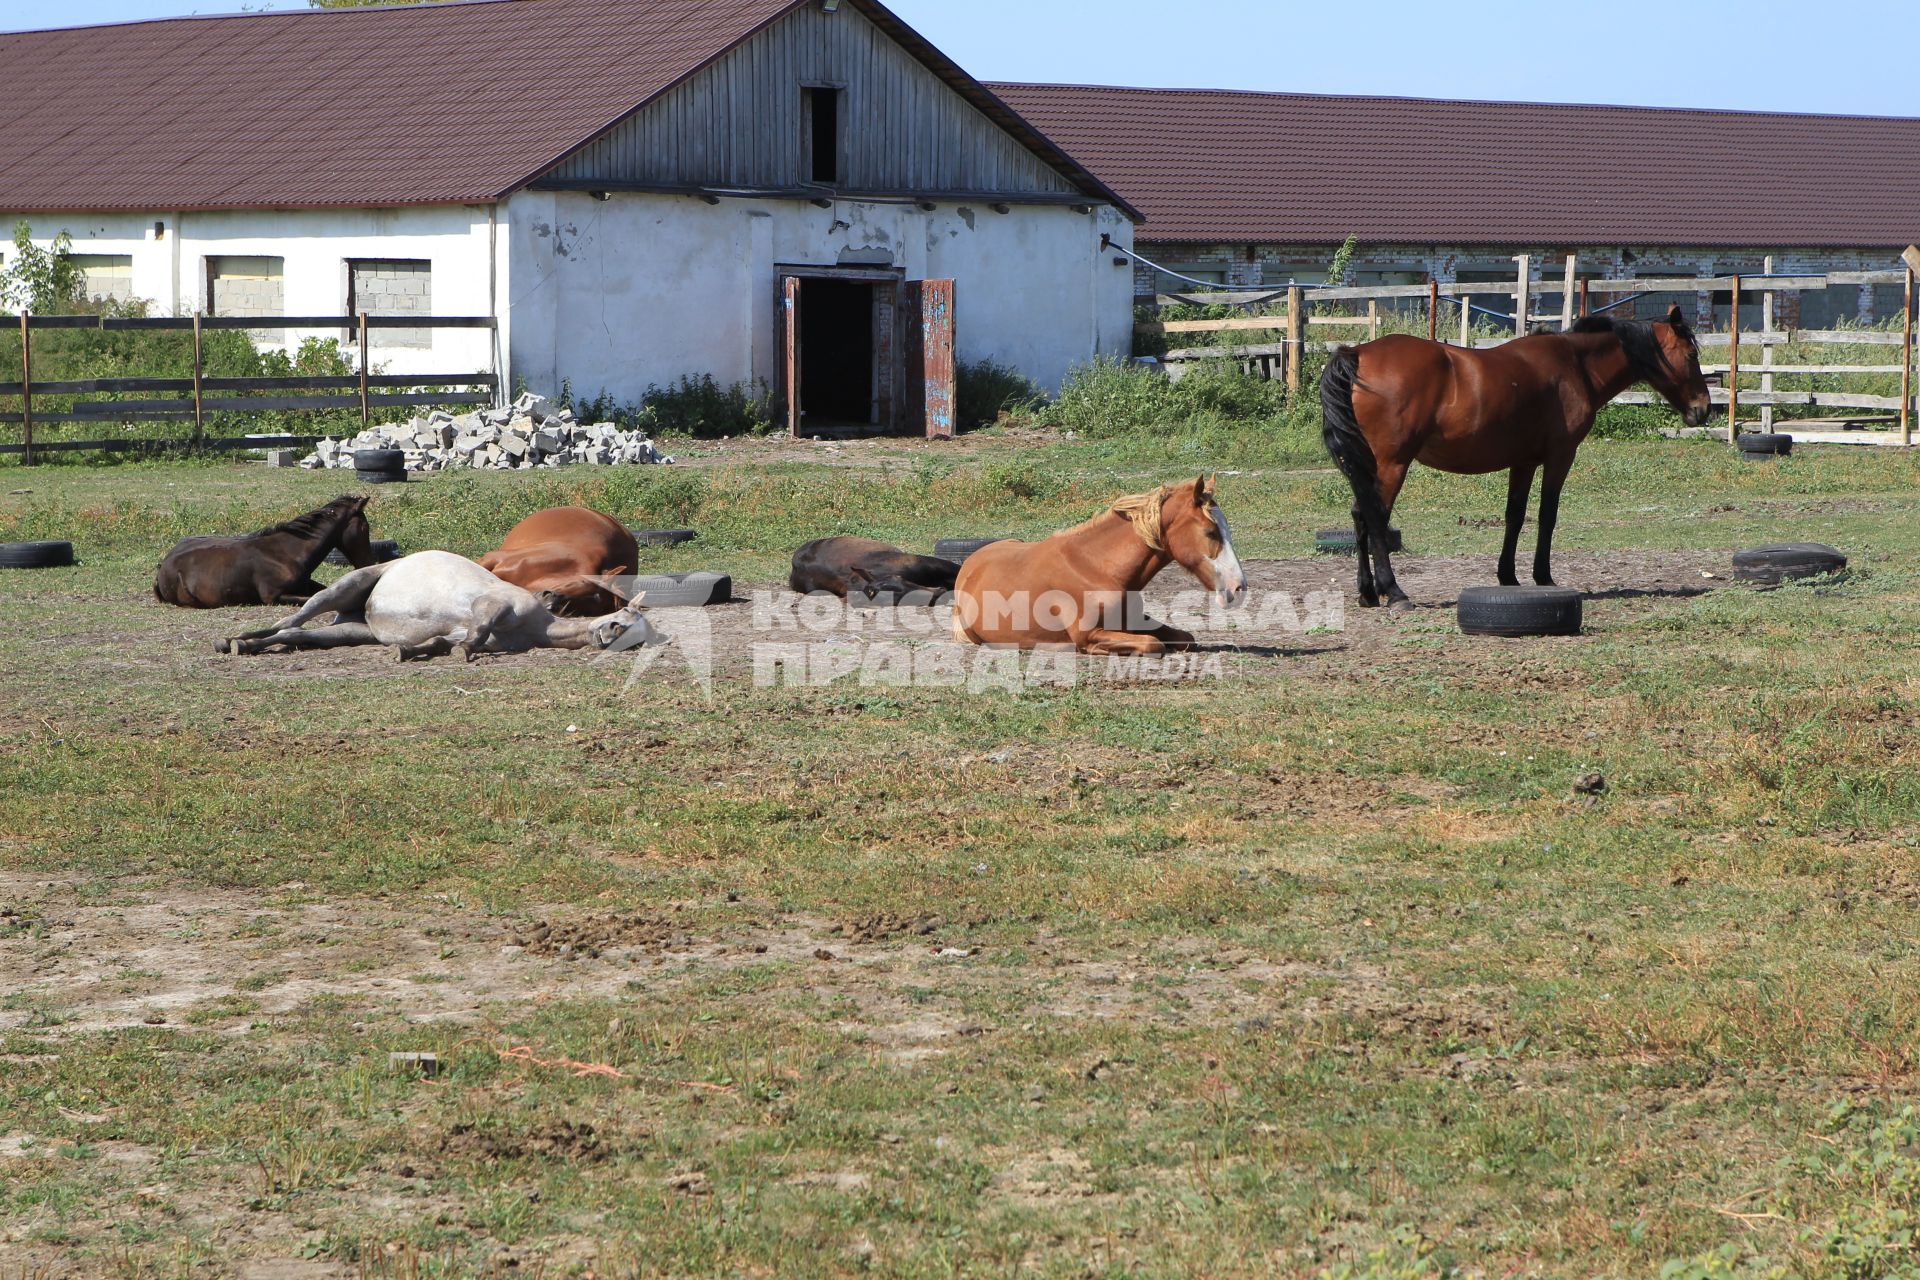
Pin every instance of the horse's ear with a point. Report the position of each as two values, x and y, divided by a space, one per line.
1203 490
1678 321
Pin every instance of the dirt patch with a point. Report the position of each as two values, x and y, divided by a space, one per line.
879 928
589 936
576 1142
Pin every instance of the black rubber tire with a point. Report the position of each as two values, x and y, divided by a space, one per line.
380 477
662 537
35 555
379 460
1764 444
921 599
678 590
384 549
1520 611
958 549
1782 560
1339 542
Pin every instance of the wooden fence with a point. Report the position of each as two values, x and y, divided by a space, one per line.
1576 297
199 395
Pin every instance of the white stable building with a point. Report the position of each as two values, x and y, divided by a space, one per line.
636 189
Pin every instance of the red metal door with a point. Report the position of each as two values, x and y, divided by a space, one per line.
790 350
930 355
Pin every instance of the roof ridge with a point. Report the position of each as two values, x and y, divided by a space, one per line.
1466 102
393 6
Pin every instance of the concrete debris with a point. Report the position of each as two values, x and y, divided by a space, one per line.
524 435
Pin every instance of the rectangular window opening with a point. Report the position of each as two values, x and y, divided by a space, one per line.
823 134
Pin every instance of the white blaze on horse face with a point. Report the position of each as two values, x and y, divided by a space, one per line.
1229 579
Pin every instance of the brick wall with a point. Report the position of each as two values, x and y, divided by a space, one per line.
1268 265
392 287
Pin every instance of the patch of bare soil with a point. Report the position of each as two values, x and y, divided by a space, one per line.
572 1141
588 936
885 925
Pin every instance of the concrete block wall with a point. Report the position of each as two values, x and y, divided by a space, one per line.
394 287
106 275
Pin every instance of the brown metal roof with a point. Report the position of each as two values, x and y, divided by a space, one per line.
444 103
439 103
1214 165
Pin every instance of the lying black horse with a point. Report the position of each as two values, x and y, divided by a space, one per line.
273 566
840 565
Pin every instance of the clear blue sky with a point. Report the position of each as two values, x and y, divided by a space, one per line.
1856 58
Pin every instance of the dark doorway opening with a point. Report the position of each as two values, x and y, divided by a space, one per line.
836 335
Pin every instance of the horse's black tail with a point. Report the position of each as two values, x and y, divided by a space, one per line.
1340 432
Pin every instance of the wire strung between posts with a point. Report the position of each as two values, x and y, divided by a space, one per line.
1106 242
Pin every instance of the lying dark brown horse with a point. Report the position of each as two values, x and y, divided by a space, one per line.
273 566
840 565
1520 407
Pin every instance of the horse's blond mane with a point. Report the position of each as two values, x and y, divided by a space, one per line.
1142 510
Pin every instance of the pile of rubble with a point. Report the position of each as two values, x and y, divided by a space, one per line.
525 434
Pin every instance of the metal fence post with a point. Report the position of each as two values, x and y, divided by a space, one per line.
366 407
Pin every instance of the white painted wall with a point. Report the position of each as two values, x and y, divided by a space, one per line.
169 267
642 289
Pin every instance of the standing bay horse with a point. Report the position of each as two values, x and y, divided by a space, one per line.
273 566
1523 406
1080 586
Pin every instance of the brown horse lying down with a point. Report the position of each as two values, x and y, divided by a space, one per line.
567 556
273 566
1074 587
840 565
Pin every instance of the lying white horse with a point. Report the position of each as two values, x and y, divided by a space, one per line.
435 602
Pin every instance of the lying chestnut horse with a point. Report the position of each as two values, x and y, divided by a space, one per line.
568 557
1075 587
1518 407
273 566
840 565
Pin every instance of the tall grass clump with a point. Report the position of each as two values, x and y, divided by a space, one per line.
1213 415
985 389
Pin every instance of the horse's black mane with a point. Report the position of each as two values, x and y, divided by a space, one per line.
311 522
1636 339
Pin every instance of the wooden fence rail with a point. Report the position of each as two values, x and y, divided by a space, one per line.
1288 309
369 390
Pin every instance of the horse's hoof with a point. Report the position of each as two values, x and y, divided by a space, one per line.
223 646
400 653
1369 602
1400 604
464 653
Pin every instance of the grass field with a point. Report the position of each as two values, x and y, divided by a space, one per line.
1321 966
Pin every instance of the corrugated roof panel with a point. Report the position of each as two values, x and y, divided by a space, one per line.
1221 166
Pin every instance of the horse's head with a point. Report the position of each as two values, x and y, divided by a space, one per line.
1194 531
348 515
1675 374
626 628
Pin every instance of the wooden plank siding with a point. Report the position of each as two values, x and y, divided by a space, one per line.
738 124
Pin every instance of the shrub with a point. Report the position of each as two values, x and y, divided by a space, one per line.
690 407
986 389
